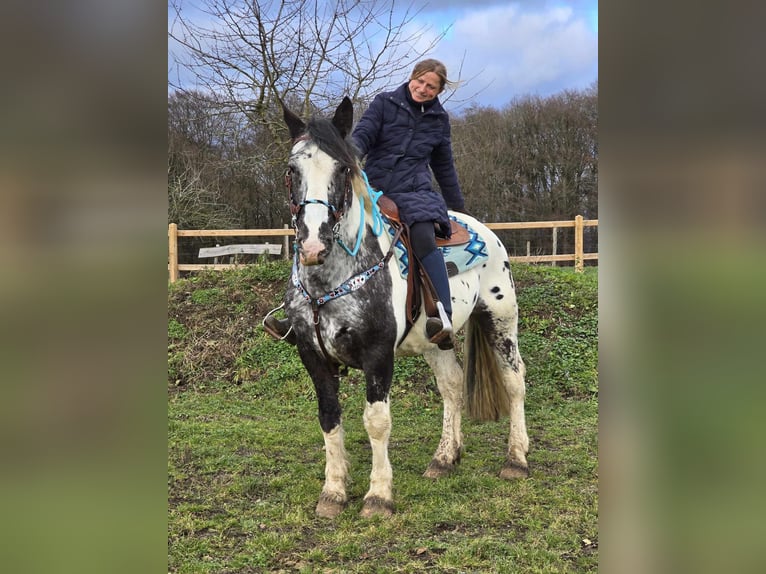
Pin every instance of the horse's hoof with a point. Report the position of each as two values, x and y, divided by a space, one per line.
329 508
375 506
513 470
438 469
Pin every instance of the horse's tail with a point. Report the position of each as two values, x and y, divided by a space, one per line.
485 393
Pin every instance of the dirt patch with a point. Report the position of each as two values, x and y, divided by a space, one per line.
210 321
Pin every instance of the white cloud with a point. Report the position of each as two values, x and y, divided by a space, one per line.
505 50
518 52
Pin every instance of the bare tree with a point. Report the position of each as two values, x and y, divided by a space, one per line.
537 159
194 205
241 58
304 52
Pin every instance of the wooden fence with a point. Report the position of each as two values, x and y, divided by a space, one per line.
578 256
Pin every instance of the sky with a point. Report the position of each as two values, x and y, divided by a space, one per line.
501 50
513 49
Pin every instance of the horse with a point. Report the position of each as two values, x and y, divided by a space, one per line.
346 299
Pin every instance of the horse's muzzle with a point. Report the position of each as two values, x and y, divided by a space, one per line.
312 253
309 260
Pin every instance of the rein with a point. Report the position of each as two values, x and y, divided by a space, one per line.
357 281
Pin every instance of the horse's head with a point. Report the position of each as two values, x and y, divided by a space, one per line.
319 178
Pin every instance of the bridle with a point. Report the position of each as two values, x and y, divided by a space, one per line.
356 281
296 207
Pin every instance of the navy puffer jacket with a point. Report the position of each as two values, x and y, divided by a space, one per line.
401 140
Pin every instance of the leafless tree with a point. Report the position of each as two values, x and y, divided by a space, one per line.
240 59
192 204
304 52
534 160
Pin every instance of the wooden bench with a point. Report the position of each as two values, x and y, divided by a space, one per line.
240 249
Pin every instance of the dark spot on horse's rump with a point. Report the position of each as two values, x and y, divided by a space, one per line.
506 265
499 296
495 289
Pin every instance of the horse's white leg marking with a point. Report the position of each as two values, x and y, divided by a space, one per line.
449 379
336 466
518 440
377 421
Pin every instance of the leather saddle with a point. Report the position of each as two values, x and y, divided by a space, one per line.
391 211
420 290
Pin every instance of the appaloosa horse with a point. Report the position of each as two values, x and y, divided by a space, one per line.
346 303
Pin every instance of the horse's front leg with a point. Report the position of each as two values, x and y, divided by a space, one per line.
326 382
377 421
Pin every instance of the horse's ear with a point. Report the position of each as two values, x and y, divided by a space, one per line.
296 125
344 117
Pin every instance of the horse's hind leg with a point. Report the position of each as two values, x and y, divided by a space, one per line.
513 369
449 379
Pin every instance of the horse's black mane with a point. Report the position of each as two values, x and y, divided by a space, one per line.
327 137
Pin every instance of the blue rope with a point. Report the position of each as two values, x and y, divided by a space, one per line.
358 235
377 218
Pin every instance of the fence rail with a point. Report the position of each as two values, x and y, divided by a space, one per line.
174 268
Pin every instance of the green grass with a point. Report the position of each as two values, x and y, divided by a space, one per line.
246 464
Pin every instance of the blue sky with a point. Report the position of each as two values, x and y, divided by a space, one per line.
503 49
510 49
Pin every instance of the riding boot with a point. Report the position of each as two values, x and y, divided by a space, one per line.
280 329
439 329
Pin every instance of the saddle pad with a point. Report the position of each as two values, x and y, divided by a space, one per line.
458 258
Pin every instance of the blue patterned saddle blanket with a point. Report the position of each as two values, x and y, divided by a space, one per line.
458 258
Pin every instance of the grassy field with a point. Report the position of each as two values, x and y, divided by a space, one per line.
246 464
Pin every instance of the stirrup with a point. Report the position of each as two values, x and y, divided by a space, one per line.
289 336
439 329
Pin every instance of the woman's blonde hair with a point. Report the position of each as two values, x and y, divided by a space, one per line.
435 66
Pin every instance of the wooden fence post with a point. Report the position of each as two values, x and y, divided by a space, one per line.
578 229
286 244
173 251
555 241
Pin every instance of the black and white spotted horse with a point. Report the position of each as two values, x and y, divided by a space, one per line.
346 303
